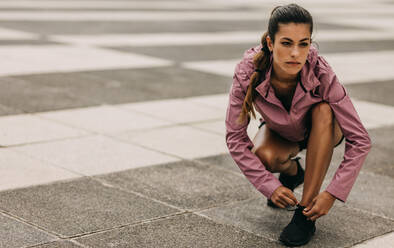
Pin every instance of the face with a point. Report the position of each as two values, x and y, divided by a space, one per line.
290 49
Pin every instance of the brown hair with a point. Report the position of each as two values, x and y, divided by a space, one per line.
280 14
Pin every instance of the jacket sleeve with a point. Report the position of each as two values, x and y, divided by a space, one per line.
357 139
240 145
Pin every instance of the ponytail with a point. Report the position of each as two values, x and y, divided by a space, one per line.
261 62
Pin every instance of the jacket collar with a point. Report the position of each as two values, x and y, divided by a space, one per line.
308 79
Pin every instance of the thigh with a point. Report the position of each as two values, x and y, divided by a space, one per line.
268 139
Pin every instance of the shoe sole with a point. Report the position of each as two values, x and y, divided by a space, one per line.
288 243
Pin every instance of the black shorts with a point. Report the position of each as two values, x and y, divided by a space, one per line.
303 143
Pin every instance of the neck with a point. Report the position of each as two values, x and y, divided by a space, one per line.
284 78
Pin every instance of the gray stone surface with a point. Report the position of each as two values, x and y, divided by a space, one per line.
186 230
185 184
60 244
235 51
14 233
79 206
381 92
108 27
340 228
224 161
372 193
30 97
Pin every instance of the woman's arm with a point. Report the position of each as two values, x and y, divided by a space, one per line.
240 145
358 142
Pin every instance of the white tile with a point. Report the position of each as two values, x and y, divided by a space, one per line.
11 34
95 155
183 141
19 60
17 170
83 4
103 15
384 241
104 119
176 110
219 67
362 67
374 115
219 101
24 129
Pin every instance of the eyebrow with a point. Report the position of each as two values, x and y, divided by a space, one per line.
292 40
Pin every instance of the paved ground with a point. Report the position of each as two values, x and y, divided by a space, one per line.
112 123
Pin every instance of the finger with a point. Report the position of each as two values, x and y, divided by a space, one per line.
292 197
310 205
286 200
315 217
282 203
279 204
310 213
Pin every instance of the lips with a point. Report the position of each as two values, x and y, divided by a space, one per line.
292 62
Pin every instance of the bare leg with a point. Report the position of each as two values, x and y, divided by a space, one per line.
325 133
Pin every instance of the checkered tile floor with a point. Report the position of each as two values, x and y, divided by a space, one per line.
112 123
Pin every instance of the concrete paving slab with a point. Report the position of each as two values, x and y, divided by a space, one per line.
18 170
340 228
60 244
186 230
104 119
22 60
94 155
14 233
176 110
384 241
80 206
369 92
38 96
185 184
186 53
27 128
372 193
116 27
180 141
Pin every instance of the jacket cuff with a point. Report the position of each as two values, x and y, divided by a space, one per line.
269 189
338 193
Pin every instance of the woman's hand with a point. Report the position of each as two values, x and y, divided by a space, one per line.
283 197
319 206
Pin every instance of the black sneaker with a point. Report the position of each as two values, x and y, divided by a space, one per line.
299 231
290 182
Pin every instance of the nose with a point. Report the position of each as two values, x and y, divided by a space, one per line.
294 52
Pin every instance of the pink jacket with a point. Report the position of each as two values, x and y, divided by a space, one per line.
318 83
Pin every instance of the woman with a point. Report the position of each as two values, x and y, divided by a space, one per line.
303 106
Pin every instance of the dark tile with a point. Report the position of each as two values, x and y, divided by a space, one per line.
186 230
81 89
79 206
16 234
185 184
379 92
342 227
224 161
20 95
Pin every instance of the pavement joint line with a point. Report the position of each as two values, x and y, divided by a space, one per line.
26 222
368 212
146 221
236 227
107 184
362 241
47 141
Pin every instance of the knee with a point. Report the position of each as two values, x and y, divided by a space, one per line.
322 114
268 158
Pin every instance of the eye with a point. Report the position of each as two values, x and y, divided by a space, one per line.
304 44
286 43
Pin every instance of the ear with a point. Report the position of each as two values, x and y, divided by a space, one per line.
269 43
